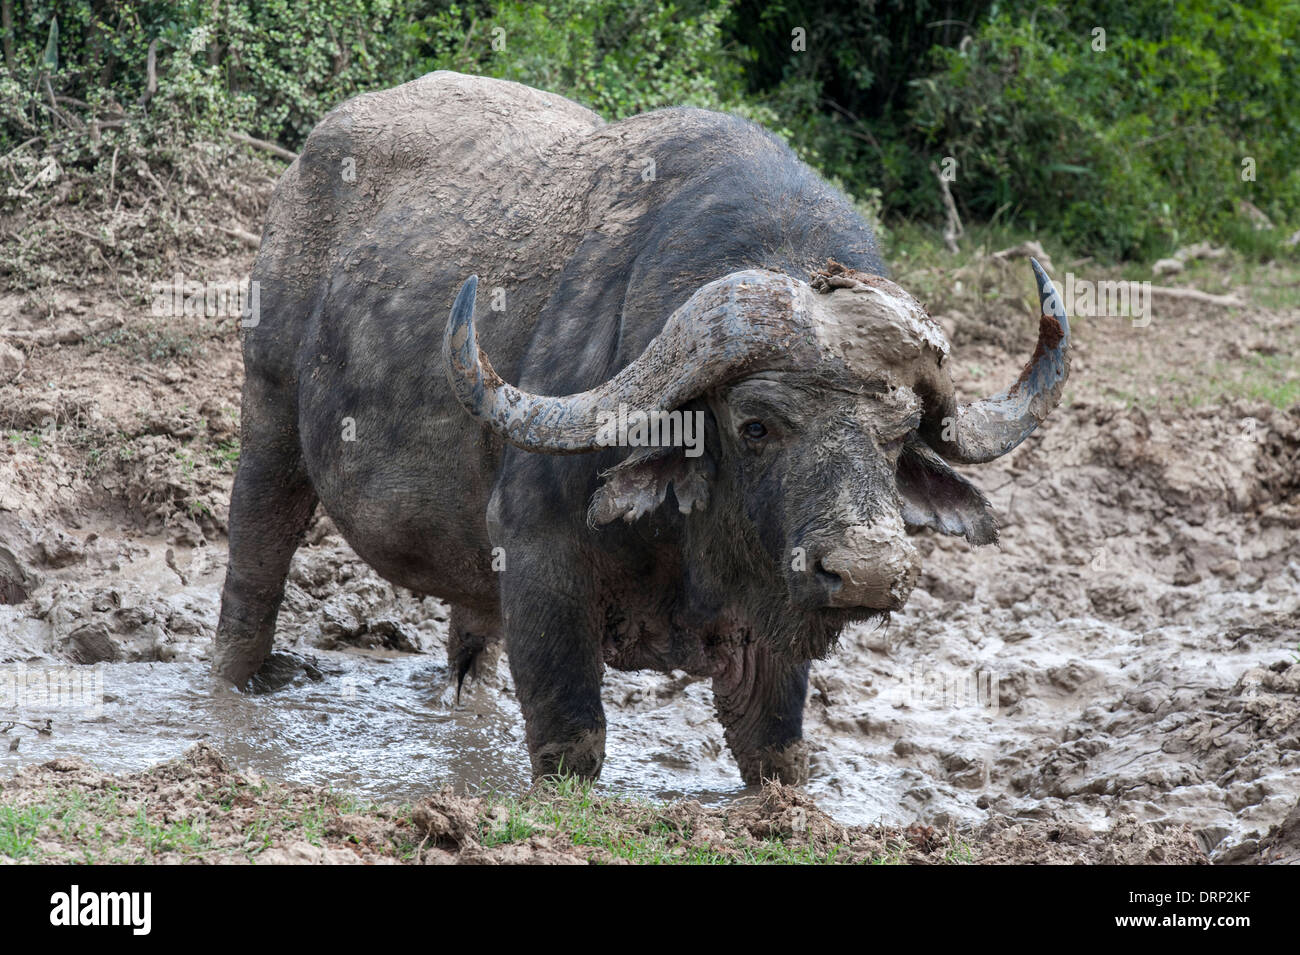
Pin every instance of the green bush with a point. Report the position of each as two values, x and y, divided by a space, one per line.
618 57
1123 152
272 67
1129 150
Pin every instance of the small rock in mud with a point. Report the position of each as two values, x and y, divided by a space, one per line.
448 821
12 362
16 582
90 643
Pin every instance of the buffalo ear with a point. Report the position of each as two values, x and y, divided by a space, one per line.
639 484
935 496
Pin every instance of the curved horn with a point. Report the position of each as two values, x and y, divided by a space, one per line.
983 430
728 327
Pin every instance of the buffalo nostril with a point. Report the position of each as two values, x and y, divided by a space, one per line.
875 574
830 579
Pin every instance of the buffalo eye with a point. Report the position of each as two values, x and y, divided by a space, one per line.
754 430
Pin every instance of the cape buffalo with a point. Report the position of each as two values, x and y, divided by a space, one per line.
677 261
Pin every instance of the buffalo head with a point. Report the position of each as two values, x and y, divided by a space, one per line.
831 421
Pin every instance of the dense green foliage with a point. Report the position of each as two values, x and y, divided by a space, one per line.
1134 147
1123 150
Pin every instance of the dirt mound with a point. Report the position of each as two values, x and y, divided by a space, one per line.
198 808
1127 842
193 809
77 231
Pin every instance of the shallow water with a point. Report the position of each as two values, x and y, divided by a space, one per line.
375 727
382 726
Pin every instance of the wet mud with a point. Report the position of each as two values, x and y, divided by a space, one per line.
1117 680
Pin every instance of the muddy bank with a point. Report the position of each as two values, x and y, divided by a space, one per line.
199 808
1123 669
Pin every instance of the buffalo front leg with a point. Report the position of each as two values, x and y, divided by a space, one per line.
760 700
270 507
556 666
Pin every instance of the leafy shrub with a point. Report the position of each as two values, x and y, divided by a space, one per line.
618 57
1121 152
1131 149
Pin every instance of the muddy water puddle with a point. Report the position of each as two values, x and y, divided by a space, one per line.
1193 734
373 727
378 726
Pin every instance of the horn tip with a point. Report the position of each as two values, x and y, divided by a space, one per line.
462 310
1040 273
1048 296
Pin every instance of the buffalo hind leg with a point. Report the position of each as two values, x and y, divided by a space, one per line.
270 508
473 644
760 702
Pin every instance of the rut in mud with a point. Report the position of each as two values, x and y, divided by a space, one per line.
1123 669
